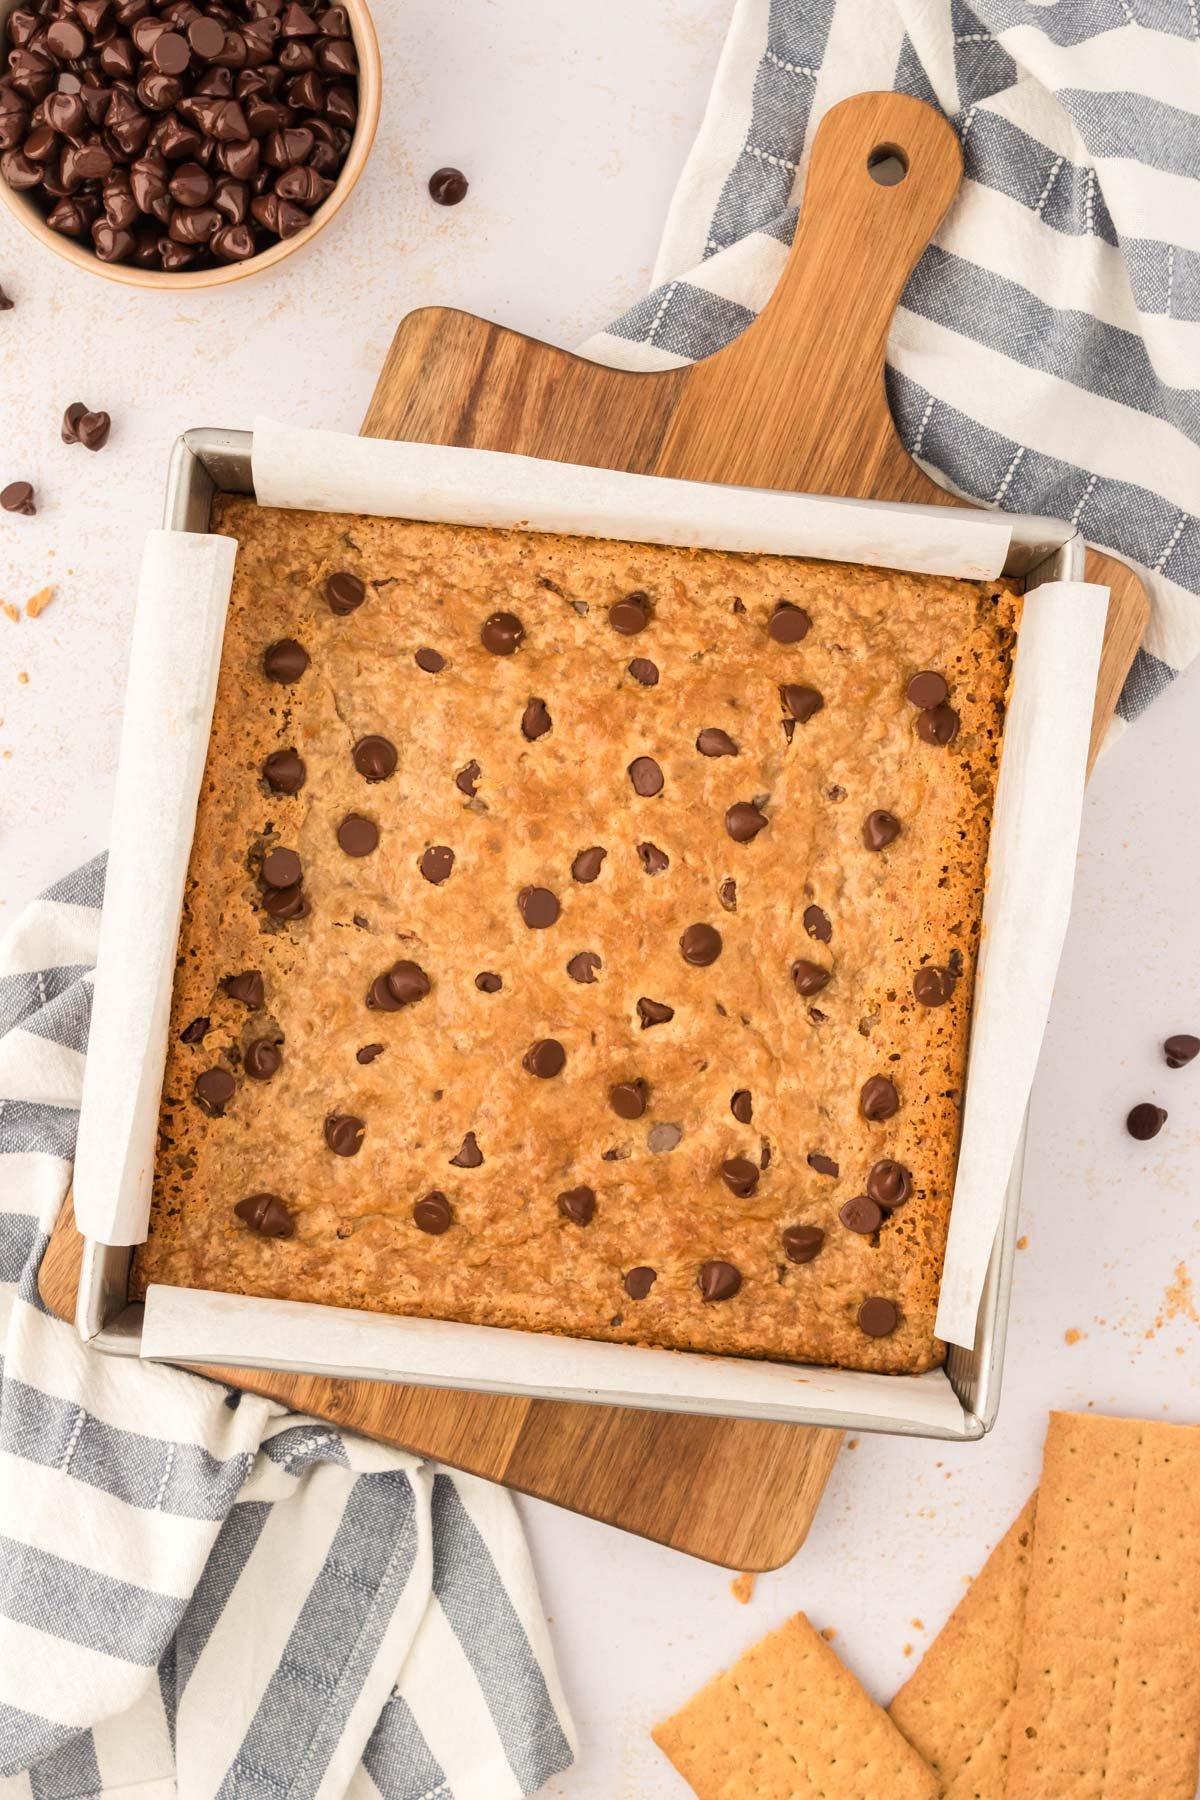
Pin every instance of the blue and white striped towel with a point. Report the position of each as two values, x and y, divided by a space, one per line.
199 1592
1046 354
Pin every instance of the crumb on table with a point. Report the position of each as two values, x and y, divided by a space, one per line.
742 1587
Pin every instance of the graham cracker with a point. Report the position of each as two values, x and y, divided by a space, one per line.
1107 1702
789 1722
956 1707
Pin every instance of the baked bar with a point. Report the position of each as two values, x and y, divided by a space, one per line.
579 936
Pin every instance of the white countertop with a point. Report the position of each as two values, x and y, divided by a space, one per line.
572 122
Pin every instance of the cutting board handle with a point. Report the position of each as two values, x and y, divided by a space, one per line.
803 383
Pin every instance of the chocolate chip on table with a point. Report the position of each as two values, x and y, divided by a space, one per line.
824 1165
197 1031
588 863
877 1316
653 860
718 1280
358 836
375 758
345 593
742 1106
646 777
285 661
803 703
802 1242
263 1059
344 1133
1145 1121
938 726
466 779
431 661
880 829
861 1214
266 1214
401 985
501 633
712 742
284 772
246 987
436 864
433 1214
368 1053
17 497
545 1058
448 186
281 868
817 924
583 966
654 1012
740 1176
6 305
469 1155
630 615
788 624
639 1281
214 1089
1181 1049
878 1099
809 978
700 945
744 821
488 982
80 426
926 689
578 1204
932 986
644 672
629 1099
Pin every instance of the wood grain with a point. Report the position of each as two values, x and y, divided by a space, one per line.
797 402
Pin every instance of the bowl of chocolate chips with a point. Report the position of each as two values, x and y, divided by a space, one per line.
183 143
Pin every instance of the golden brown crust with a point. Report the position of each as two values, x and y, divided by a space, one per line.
452 1063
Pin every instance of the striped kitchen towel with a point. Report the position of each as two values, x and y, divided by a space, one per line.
1045 356
199 1592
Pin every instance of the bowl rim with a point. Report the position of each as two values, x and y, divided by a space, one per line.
370 93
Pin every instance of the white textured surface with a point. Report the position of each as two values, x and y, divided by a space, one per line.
572 122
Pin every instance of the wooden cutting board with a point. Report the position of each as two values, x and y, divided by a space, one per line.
796 402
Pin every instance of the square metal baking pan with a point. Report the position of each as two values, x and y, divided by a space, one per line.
209 461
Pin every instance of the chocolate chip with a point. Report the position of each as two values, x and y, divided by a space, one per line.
470 1156
889 1183
824 1165
727 894
1145 1121
878 1099
538 907
266 1214
817 924
79 425
877 1316
880 829
206 37
802 1242
433 1214
742 1106
644 672
653 860
488 983
663 1137
654 1012
802 702
638 1282
578 1204
430 661
545 1058
938 726
712 742
740 1176
214 1089
629 1099
809 978
375 758
926 689
17 497
583 966
65 39
466 779
646 776
448 186
284 772
401 985
196 1032
437 863
6 305
246 987
700 945
718 1281
263 1059
588 863
281 868
861 1214
344 592
344 1133
358 836
630 615
932 986
501 633
744 821
285 661
285 902
788 624
368 1053
1181 1049
535 720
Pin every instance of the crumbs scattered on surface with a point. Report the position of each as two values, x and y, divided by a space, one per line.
23 678
37 603
742 1586
917 1624
1022 1242
1073 1336
908 1649
10 611
1179 1301
852 1444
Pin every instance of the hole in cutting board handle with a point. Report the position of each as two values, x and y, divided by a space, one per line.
887 165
